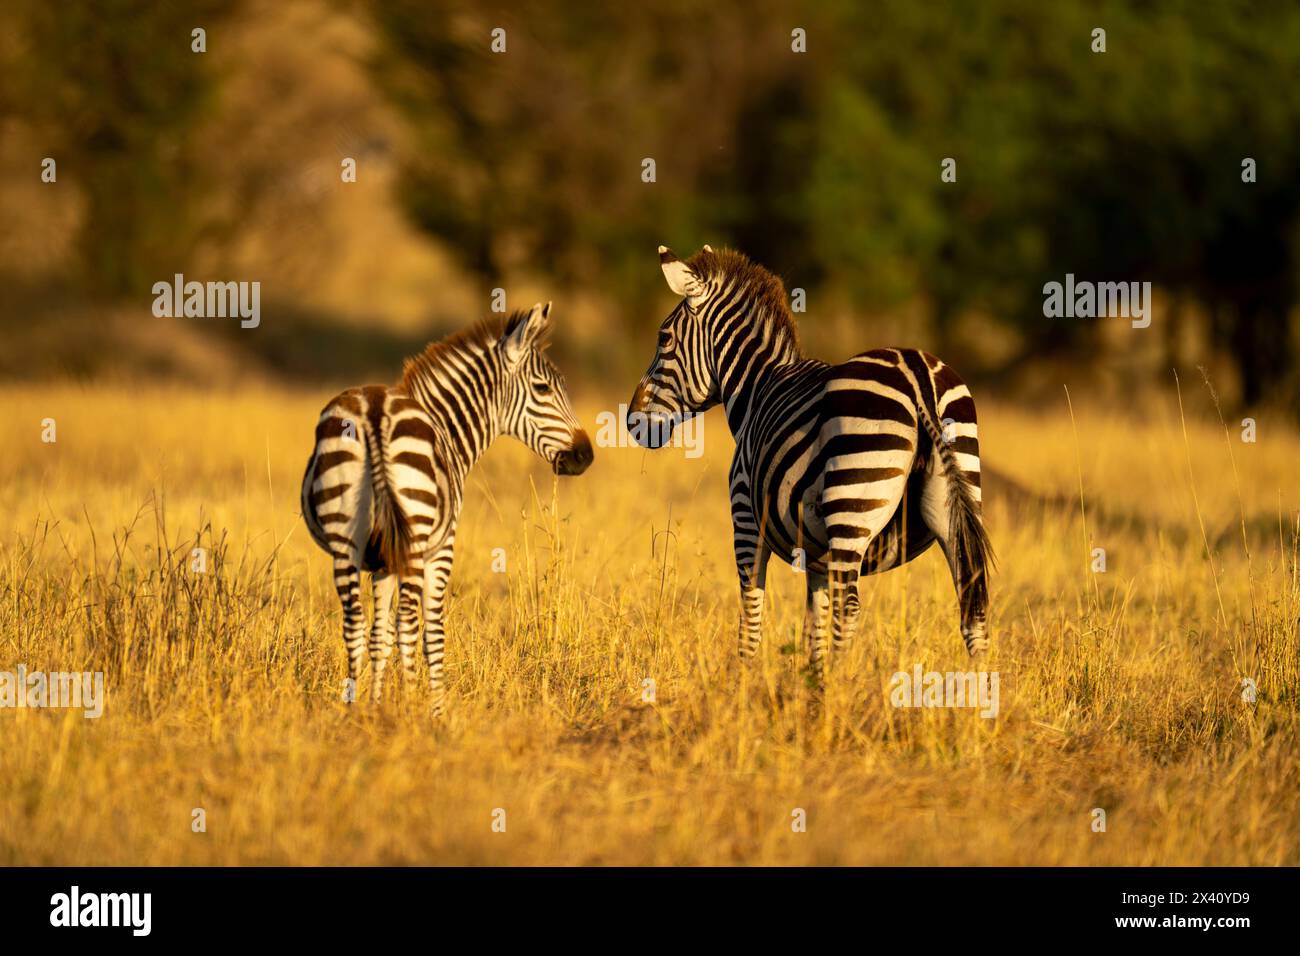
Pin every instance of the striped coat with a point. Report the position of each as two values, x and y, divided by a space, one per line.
383 487
844 469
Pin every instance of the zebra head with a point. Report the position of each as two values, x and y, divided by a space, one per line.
680 380
534 404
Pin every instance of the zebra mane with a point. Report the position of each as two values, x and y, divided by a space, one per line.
766 290
480 336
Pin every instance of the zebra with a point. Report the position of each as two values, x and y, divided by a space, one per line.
384 484
844 470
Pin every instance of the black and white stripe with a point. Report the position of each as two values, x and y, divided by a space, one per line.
384 486
861 465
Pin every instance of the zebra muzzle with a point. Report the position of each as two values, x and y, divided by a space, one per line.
649 429
577 458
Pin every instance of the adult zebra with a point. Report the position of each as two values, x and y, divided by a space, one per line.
383 488
858 466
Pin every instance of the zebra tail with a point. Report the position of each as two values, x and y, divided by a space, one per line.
390 534
972 540
974 549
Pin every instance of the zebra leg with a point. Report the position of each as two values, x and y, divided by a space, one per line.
814 622
751 564
383 586
437 571
410 592
857 504
846 620
843 573
843 564
347 582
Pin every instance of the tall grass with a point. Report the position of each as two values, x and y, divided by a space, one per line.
595 691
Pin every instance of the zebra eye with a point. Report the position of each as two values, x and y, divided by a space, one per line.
542 388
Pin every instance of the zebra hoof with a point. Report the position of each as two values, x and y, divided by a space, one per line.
978 647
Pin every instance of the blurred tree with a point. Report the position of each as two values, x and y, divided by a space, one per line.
1153 188
533 157
1121 165
116 89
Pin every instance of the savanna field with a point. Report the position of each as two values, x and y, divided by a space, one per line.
1120 690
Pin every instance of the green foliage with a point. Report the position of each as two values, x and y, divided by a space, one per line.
533 157
1122 165
824 165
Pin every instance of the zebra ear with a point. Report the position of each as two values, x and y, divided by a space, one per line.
680 278
526 331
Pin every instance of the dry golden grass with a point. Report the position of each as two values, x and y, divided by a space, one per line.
1120 690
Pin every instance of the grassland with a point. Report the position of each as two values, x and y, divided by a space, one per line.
1120 690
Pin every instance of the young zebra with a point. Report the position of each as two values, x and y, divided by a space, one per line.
859 466
384 485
